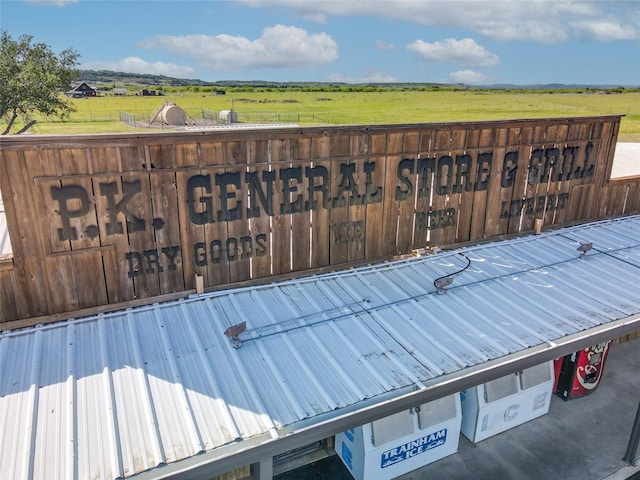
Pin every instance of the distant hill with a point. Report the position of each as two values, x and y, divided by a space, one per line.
553 86
122 79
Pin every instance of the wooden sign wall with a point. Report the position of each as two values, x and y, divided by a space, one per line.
103 219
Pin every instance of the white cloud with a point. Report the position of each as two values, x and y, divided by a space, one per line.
382 45
543 21
526 30
605 31
376 76
470 77
279 46
51 3
450 50
313 13
138 65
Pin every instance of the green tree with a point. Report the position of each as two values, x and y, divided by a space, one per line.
32 80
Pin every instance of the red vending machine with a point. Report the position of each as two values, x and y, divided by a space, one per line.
579 374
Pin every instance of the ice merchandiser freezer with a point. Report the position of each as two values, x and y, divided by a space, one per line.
503 403
580 373
400 443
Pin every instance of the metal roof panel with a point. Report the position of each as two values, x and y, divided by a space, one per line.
116 394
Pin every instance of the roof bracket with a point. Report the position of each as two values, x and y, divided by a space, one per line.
234 332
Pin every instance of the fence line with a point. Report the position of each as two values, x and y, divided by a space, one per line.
140 118
128 118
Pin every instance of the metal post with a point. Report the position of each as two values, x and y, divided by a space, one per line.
634 440
263 470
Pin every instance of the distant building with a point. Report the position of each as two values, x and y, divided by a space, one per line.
147 93
83 90
119 92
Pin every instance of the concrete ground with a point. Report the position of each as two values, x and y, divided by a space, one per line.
583 438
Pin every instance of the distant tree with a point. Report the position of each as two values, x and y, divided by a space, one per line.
32 80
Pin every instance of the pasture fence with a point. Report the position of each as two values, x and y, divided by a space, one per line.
141 118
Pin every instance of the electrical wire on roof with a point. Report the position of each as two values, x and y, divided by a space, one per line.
307 320
442 282
363 307
341 311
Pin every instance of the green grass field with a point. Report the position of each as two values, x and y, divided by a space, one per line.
101 114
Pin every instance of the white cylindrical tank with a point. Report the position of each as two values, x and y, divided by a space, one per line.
171 114
228 116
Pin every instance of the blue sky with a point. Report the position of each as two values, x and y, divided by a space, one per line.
468 41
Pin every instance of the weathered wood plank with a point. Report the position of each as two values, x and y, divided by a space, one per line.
300 149
8 304
166 228
30 289
205 234
448 218
288 202
58 270
195 253
633 198
343 172
494 222
339 227
557 187
467 171
579 202
365 193
119 263
339 145
91 287
261 205
159 157
391 208
88 234
442 214
374 247
407 208
618 194
482 175
422 179
320 218
234 198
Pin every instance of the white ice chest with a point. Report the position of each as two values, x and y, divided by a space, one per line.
503 403
400 443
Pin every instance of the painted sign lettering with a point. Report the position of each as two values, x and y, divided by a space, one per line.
413 448
216 195
448 175
531 205
151 261
300 189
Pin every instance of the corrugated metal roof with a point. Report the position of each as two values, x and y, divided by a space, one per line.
626 160
117 394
